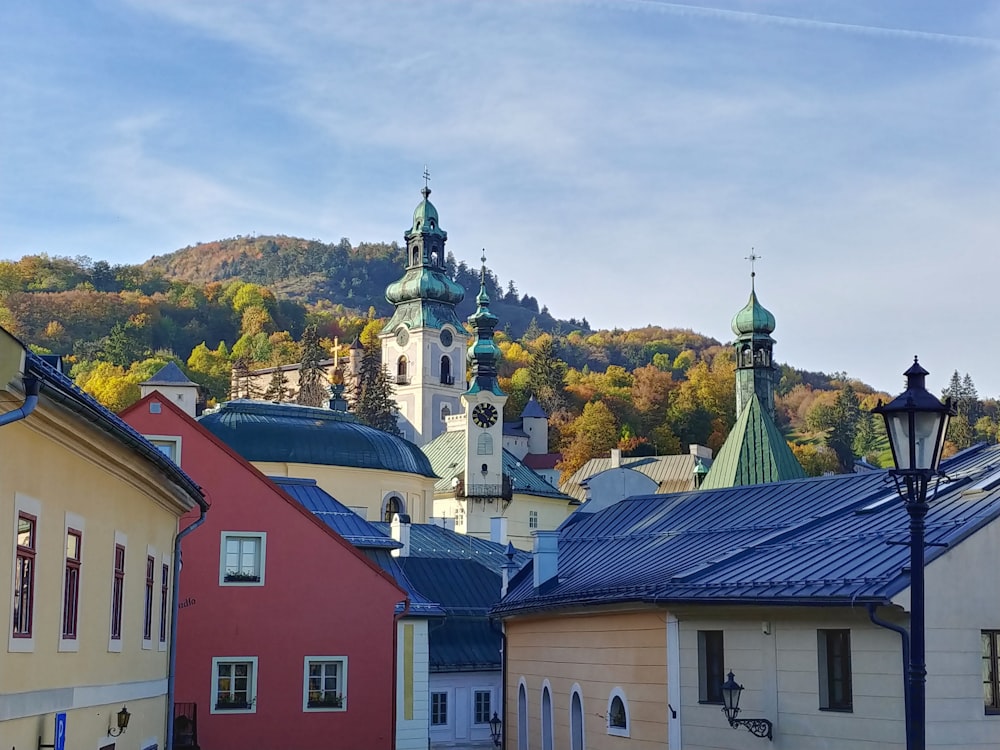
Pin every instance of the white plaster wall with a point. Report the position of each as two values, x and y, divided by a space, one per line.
461 688
411 733
612 485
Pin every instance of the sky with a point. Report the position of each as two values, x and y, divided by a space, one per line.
618 159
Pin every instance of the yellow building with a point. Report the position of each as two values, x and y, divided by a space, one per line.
86 564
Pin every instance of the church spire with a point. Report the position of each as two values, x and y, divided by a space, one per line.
484 354
756 372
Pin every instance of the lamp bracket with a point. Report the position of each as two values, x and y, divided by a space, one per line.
757 727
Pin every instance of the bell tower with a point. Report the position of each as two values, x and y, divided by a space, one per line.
483 403
755 368
422 343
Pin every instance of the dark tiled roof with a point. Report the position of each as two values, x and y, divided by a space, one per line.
263 431
447 455
64 390
533 409
824 540
337 516
428 540
169 374
755 452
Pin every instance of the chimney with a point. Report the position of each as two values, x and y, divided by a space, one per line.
498 530
616 458
700 451
400 527
546 558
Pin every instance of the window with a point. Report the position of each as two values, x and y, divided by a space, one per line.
446 377
481 709
711 666
393 506
401 378
991 671
576 719
234 686
485 446
164 599
325 683
439 709
445 412
242 558
147 608
532 519
618 713
168 445
546 716
24 575
522 715
835 692
118 593
71 584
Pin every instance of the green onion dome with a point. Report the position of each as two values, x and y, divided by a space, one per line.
424 283
753 318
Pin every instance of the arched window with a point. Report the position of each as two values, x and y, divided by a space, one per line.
434 258
576 720
445 412
392 505
546 717
618 722
446 377
522 716
485 447
416 256
401 370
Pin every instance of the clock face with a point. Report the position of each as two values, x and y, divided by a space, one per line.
402 336
446 338
484 415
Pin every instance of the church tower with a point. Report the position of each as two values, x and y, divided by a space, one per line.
483 403
755 368
423 342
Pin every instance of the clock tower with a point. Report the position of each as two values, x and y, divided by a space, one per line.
483 404
422 343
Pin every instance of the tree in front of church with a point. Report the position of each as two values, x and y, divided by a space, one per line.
311 375
371 396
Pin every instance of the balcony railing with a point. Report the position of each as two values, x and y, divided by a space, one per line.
448 380
503 491
402 380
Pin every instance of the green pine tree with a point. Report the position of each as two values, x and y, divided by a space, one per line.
311 376
371 396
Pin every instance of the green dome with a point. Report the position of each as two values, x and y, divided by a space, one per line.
425 218
426 284
263 431
753 318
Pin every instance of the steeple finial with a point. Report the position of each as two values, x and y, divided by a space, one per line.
427 178
753 258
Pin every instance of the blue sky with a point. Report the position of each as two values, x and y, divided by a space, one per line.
617 159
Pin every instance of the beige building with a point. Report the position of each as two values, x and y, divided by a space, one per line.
87 561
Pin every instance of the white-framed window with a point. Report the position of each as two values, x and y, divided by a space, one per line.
325 683
242 558
546 716
532 519
234 684
27 517
439 709
482 706
484 446
117 592
164 602
577 737
618 719
71 584
168 445
522 714
149 600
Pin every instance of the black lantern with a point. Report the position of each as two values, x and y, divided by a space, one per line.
731 691
916 423
123 717
495 725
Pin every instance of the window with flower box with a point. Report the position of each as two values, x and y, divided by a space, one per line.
325 687
234 684
242 558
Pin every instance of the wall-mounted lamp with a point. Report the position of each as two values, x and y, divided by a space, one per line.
731 691
495 727
123 717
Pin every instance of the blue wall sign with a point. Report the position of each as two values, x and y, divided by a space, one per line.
60 732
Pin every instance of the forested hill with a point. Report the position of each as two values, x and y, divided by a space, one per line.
311 271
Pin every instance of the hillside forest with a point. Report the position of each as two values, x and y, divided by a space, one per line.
255 301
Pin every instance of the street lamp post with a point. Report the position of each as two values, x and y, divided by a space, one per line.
916 423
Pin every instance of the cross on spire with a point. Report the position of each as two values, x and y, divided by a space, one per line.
753 258
427 176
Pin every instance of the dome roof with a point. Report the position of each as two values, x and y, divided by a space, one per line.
753 318
427 284
425 218
263 431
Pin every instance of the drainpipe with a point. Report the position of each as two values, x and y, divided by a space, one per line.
172 668
31 384
904 636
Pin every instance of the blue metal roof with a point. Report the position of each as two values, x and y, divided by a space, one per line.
825 540
169 374
263 431
429 540
348 524
420 605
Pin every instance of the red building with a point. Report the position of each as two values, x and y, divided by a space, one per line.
286 633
